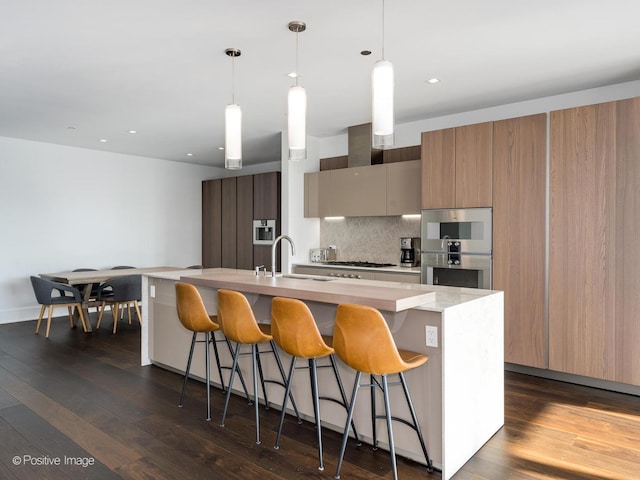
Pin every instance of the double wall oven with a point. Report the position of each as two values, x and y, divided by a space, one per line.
456 247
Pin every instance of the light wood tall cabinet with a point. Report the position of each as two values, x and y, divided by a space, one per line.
594 264
457 167
519 174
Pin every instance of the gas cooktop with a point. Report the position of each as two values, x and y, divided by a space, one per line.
360 264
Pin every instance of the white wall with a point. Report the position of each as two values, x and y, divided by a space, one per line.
305 232
63 208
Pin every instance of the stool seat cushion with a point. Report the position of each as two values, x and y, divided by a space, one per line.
363 341
191 310
237 320
295 331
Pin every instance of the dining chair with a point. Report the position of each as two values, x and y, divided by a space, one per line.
44 291
117 291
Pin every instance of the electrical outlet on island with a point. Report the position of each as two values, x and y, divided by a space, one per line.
432 336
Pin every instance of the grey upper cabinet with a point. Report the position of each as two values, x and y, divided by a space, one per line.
372 190
359 191
404 185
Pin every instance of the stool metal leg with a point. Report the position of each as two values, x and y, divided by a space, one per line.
244 386
345 437
186 374
254 356
214 342
343 396
387 411
208 375
234 367
283 412
313 371
372 391
415 422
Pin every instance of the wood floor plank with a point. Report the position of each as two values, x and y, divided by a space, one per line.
87 393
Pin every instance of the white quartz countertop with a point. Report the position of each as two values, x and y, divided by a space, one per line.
391 296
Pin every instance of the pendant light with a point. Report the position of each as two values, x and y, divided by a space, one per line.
233 122
297 108
382 100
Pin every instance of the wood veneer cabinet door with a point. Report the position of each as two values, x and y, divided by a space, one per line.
211 223
266 196
582 241
474 165
403 188
229 222
519 172
244 222
438 169
627 248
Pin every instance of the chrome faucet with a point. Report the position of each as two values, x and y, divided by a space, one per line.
273 251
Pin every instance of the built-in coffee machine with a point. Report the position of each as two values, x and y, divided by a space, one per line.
409 252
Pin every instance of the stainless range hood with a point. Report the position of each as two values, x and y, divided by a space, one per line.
360 151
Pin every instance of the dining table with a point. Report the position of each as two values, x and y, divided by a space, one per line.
92 277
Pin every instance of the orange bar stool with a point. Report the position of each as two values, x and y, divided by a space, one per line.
295 331
239 325
194 317
363 341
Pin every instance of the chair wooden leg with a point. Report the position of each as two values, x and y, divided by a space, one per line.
137 306
49 321
42 309
82 319
129 312
101 308
115 316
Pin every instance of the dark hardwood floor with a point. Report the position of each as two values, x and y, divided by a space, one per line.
84 398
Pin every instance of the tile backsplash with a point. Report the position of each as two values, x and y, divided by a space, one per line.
373 239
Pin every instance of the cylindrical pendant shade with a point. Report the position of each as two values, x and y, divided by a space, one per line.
233 137
382 104
297 123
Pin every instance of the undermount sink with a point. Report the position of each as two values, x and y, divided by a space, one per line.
308 277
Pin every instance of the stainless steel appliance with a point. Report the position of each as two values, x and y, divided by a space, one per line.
457 247
321 255
409 252
264 232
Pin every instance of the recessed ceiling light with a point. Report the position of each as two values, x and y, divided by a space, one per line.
189 154
292 75
220 148
433 80
133 131
103 140
365 52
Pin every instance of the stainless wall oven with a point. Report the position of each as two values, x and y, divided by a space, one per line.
457 247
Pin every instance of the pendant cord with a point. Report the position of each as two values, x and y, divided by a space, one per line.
297 60
382 29
233 80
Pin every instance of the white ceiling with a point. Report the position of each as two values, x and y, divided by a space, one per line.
158 66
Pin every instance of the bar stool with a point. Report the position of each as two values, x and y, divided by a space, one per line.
295 331
239 325
363 341
194 317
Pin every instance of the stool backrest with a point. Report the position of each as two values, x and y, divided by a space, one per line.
191 310
237 320
294 329
361 338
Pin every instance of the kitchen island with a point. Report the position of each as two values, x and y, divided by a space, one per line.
458 393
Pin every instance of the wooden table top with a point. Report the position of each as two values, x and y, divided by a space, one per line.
97 276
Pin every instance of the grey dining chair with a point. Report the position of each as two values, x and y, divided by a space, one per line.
120 291
44 291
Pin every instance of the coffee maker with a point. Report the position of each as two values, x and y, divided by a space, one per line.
409 252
